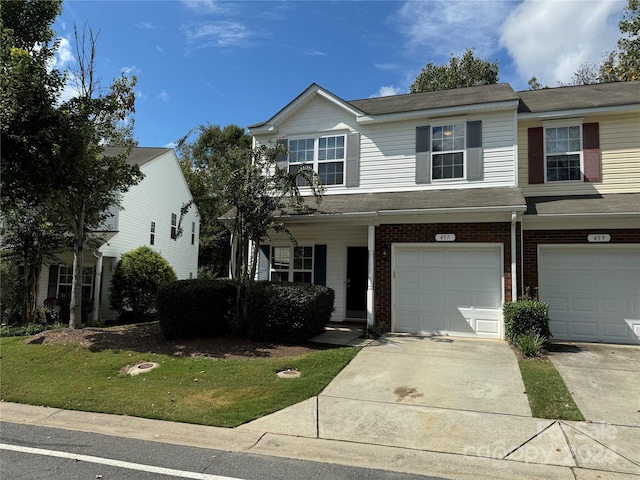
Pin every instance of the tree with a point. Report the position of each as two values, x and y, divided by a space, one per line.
628 68
256 189
465 71
136 280
29 89
92 181
202 162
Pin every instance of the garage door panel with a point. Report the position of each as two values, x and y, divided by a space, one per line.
459 290
593 292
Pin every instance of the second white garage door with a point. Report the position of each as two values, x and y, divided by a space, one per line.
593 292
448 290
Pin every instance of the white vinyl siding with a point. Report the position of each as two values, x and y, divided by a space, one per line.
620 149
337 238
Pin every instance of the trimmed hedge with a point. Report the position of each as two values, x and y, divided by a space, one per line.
526 317
288 312
196 308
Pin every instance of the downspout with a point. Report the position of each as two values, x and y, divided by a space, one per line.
371 241
514 272
522 255
95 314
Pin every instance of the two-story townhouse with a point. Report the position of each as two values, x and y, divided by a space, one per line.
418 226
424 226
150 214
579 169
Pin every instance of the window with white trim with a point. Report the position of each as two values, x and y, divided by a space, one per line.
447 151
65 280
152 234
193 233
563 153
174 226
325 155
292 264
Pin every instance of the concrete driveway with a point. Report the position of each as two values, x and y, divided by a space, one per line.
603 379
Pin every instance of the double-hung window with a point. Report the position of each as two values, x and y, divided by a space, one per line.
65 280
325 155
292 264
563 153
447 150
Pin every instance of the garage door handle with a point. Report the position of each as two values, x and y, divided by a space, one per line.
348 282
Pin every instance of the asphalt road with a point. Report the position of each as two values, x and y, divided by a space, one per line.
30 452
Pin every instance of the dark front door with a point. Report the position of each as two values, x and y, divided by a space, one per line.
357 282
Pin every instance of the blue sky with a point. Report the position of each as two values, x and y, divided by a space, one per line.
223 62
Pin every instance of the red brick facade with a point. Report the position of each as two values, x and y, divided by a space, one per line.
533 238
496 232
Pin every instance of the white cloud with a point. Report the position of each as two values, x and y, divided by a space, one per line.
207 6
552 39
128 71
387 91
64 55
315 53
163 95
146 26
217 34
441 28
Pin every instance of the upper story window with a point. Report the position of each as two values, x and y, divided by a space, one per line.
451 150
152 234
563 153
447 147
174 226
193 233
326 155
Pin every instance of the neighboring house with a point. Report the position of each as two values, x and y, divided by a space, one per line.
440 207
149 215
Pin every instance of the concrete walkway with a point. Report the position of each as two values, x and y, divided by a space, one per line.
453 408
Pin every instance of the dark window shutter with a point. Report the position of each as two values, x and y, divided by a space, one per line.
423 154
536 155
591 153
281 158
264 265
320 265
353 160
474 150
52 285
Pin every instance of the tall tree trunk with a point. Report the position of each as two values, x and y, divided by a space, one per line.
75 304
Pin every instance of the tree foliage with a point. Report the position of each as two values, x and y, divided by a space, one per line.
136 280
203 165
462 71
628 68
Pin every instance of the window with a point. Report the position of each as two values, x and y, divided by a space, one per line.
326 155
152 234
283 269
447 147
174 226
65 280
563 146
193 233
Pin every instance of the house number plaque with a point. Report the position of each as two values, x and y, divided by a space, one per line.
599 238
445 237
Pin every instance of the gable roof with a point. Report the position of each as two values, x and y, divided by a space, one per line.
599 95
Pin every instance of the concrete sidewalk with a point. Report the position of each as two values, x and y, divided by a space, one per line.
452 408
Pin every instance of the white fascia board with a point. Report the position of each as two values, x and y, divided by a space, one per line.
417 211
582 221
580 112
264 130
438 112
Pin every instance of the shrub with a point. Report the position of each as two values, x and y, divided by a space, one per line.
288 312
196 308
136 280
374 331
530 344
526 316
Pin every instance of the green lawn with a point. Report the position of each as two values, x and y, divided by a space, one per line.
205 391
548 395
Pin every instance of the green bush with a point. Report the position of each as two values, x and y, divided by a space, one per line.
288 312
530 344
136 280
196 308
524 317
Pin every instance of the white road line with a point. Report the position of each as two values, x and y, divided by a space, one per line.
115 463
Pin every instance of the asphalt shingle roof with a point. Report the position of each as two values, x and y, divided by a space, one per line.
619 203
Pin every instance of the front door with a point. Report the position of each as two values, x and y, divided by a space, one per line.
357 262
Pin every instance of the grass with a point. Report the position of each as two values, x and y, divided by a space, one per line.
547 393
203 391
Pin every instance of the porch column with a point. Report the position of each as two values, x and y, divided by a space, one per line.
371 245
514 268
95 315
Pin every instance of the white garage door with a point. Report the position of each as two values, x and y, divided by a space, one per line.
593 292
453 290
